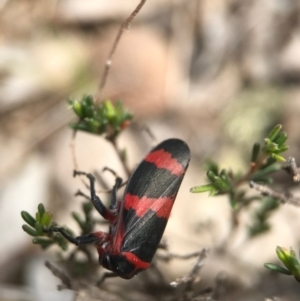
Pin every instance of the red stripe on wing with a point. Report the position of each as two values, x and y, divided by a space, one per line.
138 263
162 206
163 159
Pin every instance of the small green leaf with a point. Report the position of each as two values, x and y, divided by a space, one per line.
44 242
281 138
211 176
276 268
78 220
233 202
273 134
221 184
99 118
77 107
278 157
29 230
46 219
110 110
61 241
288 259
224 177
87 208
283 148
258 228
38 217
39 228
270 146
41 209
30 220
255 152
265 171
204 188
269 204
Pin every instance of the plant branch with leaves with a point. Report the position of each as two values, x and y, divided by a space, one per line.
265 161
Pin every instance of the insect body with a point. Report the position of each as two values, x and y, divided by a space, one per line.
137 223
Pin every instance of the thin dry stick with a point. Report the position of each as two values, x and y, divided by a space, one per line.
73 151
292 168
283 197
67 283
193 274
75 162
124 26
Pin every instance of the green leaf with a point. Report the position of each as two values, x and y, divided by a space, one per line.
270 146
278 157
260 216
218 182
268 204
46 219
78 219
38 217
44 242
39 228
234 199
255 152
283 148
77 108
29 230
211 176
281 138
87 208
41 209
289 260
221 184
61 241
223 175
273 134
29 219
258 228
204 188
265 171
104 118
276 268
110 110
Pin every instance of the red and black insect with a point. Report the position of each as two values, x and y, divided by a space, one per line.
137 223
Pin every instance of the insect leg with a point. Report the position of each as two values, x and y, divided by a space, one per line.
99 206
79 240
104 276
118 184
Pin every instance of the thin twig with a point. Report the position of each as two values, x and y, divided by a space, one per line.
74 158
292 168
283 197
125 26
254 166
190 278
108 63
67 283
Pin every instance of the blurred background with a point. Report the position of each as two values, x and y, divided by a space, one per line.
218 74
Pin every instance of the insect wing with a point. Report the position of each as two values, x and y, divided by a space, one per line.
149 197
